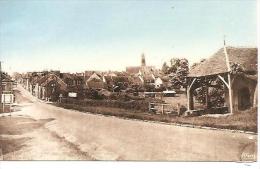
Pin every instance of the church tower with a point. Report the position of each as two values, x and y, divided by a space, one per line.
143 61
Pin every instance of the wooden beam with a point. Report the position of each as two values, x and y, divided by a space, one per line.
223 80
207 97
230 94
228 84
190 96
189 87
229 79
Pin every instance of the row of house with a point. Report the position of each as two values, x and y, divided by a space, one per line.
53 84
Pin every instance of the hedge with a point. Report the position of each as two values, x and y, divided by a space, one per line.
141 105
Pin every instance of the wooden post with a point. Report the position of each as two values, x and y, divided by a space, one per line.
230 94
162 109
191 101
207 96
3 104
10 109
178 109
229 79
255 96
190 96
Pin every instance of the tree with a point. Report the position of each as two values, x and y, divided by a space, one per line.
149 88
175 63
165 68
178 72
182 71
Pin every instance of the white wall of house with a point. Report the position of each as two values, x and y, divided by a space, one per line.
158 82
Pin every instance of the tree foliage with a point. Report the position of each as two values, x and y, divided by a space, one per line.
165 68
236 68
177 71
215 92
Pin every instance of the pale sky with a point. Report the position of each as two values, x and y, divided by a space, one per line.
109 35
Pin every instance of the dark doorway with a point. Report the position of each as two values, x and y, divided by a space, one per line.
244 99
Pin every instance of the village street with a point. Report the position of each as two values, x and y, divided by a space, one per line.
69 134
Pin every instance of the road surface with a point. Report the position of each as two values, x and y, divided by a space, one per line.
86 136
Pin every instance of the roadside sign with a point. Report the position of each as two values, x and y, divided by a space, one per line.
72 94
7 98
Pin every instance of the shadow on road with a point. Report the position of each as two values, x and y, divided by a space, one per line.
9 145
12 129
20 125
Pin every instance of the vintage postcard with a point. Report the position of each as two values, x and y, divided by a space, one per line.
130 80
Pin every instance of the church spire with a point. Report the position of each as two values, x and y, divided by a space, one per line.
143 60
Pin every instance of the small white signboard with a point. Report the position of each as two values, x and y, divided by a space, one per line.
7 98
72 94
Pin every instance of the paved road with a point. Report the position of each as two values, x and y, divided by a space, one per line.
111 138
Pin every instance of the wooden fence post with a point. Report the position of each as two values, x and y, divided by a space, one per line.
162 109
178 109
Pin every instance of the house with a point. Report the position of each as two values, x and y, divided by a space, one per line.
158 83
47 85
116 83
53 87
72 79
240 88
33 87
40 89
7 95
96 81
55 84
136 81
7 83
75 83
162 82
25 80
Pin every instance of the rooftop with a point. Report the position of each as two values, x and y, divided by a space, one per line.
216 64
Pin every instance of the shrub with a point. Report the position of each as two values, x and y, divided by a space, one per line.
132 105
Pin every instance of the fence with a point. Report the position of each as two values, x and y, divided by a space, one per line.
162 108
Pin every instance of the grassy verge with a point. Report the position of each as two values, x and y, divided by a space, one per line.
246 120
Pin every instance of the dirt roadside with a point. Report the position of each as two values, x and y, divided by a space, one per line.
23 138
